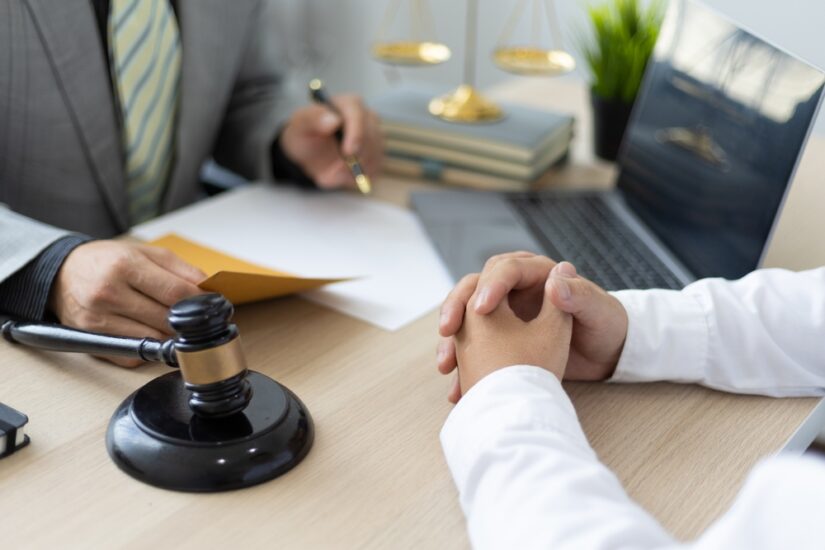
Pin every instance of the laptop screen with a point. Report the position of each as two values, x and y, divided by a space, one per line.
714 139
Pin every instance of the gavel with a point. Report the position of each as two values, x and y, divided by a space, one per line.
213 425
206 348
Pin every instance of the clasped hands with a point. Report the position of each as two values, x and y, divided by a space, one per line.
527 309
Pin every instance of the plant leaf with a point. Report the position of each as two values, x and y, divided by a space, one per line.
622 38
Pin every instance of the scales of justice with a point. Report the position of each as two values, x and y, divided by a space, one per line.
465 104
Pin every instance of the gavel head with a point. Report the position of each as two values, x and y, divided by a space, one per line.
210 357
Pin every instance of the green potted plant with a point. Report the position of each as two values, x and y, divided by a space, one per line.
623 34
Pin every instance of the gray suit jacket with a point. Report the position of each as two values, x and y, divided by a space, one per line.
61 160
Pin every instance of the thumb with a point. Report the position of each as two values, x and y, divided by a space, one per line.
585 300
328 123
318 119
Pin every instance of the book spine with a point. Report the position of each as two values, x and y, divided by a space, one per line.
440 172
477 163
503 151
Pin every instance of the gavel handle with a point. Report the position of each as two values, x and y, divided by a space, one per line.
60 338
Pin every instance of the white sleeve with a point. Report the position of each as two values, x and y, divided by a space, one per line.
763 334
526 475
527 479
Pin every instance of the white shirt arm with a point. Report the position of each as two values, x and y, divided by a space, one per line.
764 334
526 475
527 479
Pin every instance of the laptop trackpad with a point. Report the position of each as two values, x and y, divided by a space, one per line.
465 247
467 227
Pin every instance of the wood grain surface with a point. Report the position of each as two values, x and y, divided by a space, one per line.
376 477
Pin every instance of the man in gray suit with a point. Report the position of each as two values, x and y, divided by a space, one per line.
108 109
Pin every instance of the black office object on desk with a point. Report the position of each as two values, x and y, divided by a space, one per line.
211 426
13 435
712 145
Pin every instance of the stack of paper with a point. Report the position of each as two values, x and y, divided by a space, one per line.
397 274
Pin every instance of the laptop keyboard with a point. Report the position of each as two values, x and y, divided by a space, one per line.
586 232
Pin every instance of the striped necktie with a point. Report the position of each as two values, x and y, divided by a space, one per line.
144 52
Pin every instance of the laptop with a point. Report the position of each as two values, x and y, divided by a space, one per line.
711 147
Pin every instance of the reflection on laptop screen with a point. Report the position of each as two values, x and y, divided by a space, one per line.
706 163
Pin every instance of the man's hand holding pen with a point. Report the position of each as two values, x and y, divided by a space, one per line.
309 140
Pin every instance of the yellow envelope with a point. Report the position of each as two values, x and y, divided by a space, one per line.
241 282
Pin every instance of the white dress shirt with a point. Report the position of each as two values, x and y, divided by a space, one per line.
527 477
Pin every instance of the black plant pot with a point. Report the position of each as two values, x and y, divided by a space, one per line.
610 118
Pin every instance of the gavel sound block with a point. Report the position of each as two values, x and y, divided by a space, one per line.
211 426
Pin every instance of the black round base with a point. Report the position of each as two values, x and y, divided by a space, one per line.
155 438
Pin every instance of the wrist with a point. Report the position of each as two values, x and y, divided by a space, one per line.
607 342
26 293
284 168
55 301
284 141
469 377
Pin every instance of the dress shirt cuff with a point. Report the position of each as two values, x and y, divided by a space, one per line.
283 169
667 336
26 293
508 401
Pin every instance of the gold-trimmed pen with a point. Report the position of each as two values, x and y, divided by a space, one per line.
317 93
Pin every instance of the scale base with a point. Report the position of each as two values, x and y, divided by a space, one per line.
466 105
155 438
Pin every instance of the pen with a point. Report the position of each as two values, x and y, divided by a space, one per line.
317 93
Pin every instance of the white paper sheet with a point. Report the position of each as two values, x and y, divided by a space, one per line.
323 235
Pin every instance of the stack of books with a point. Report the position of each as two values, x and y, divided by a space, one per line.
508 154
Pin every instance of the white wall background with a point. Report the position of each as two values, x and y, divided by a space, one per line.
331 39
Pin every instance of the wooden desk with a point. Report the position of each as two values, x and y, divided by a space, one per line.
376 477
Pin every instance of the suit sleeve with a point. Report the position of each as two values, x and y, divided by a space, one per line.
22 239
31 254
253 114
761 334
